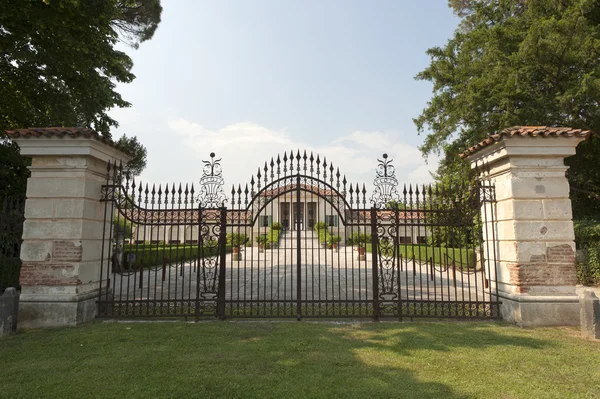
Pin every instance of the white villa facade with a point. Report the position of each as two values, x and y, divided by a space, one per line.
291 214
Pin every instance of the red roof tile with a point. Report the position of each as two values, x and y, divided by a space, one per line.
530 131
60 132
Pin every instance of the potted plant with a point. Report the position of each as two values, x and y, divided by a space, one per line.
236 240
262 241
334 241
363 239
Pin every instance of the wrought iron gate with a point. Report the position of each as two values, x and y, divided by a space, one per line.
299 241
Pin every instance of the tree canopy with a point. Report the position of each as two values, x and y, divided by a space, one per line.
517 62
60 65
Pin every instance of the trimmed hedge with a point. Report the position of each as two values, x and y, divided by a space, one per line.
463 258
153 256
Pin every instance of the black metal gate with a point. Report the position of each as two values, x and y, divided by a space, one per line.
299 241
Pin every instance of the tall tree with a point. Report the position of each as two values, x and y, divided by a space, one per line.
59 64
517 62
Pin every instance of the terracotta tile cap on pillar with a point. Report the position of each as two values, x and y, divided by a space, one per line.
61 132
527 131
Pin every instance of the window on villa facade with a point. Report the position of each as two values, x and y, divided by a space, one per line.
332 220
265 221
421 240
405 240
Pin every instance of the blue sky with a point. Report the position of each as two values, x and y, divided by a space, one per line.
249 79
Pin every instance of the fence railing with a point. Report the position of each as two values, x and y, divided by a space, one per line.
11 232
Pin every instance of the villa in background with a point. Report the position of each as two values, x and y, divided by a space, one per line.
276 206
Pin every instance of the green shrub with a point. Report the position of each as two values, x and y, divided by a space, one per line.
362 239
237 239
587 237
587 232
334 239
320 226
588 268
276 226
262 239
273 236
156 256
122 226
324 236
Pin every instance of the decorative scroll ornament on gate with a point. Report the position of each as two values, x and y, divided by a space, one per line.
211 184
386 184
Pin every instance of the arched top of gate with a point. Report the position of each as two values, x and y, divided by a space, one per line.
284 173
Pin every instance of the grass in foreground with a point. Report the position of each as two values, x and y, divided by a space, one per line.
300 360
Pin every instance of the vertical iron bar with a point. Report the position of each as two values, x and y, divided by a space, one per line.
222 257
298 253
374 251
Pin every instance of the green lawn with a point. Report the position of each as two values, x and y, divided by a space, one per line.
299 360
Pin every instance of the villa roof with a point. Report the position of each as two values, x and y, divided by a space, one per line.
306 187
527 131
191 216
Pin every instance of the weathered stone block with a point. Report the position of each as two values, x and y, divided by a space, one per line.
557 208
9 309
36 251
536 230
590 315
546 187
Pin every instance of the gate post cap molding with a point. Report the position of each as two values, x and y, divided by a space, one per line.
537 141
53 141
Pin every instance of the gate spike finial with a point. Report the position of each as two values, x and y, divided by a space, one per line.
278 166
364 193
318 165
304 157
272 165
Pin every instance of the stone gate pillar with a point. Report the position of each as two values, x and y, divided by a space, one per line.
533 228
64 221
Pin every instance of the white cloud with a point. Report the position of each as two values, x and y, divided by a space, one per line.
245 146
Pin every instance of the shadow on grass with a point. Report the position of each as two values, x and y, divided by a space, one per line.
384 359
256 359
